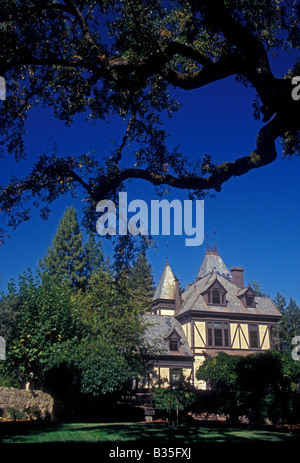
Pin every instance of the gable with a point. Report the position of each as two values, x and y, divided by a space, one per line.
216 284
174 335
215 293
247 297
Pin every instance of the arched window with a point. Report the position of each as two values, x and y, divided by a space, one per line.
216 297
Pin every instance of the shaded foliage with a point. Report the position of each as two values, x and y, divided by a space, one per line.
257 386
125 59
70 337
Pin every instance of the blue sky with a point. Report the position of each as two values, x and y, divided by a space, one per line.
257 216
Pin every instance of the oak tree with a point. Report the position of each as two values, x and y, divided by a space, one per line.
125 58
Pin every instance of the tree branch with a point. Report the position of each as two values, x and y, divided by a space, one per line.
257 67
229 65
264 154
86 30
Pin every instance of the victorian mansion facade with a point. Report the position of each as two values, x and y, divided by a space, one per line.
217 312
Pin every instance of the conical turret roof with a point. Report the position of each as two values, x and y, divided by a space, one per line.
213 263
166 285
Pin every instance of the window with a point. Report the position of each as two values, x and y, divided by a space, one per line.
253 336
175 375
216 297
250 301
174 345
218 334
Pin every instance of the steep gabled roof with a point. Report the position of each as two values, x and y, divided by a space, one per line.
192 299
159 330
166 285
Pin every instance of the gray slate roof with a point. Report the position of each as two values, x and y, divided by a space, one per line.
212 262
160 327
193 299
166 285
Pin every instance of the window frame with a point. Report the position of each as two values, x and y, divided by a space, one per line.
253 328
221 299
173 372
211 334
173 342
252 297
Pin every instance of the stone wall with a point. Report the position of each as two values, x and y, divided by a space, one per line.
34 404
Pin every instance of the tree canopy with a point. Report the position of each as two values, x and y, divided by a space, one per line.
125 58
261 385
76 324
68 257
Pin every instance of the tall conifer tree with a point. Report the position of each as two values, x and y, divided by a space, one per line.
94 256
67 257
141 281
289 324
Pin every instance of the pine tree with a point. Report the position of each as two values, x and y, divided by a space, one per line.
66 257
289 324
94 256
255 285
141 281
279 301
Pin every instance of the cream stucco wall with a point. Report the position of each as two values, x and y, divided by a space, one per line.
200 334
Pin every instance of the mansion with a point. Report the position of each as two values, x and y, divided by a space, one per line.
217 312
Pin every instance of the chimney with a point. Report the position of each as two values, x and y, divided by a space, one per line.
237 276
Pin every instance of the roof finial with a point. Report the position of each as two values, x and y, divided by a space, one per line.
215 233
212 249
167 254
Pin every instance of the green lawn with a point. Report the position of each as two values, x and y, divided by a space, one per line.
150 433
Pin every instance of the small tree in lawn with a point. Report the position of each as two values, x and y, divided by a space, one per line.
174 401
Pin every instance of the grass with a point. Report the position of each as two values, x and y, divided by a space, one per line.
151 433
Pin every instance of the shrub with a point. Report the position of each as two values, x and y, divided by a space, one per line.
14 414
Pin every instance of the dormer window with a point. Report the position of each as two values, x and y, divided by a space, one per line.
250 301
215 294
247 297
174 345
216 297
173 341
